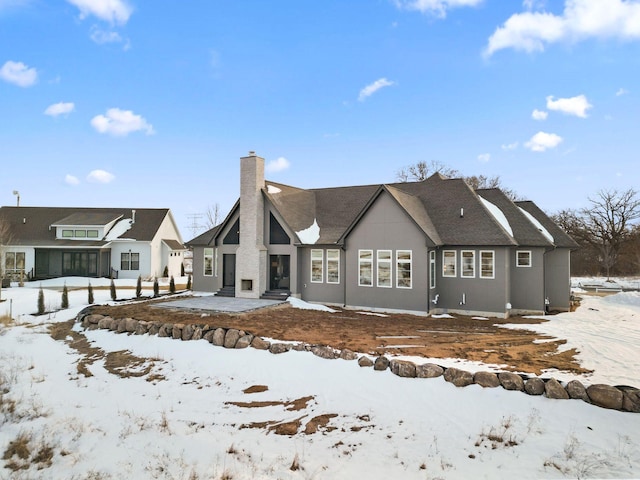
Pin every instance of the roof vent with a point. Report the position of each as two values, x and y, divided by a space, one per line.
133 217
461 212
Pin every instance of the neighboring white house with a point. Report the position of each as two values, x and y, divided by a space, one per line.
48 242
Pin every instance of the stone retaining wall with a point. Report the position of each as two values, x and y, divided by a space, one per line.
623 398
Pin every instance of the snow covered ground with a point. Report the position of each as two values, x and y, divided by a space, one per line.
176 421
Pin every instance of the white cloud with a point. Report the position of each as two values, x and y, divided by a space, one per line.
621 91
61 108
18 74
581 19
101 37
121 123
435 7
373 88
484 157
277 165
510 146
112 11
71 180
100 176
539 114
542 141
577 106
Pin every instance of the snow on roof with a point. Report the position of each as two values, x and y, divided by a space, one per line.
119 229
310 235
273 189
497 214
538 225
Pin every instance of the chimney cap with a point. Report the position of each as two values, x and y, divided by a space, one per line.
252 153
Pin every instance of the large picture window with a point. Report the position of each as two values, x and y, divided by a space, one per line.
365 268
207 268
384 268
403 269
14 262
468 263
317 259
487 264
523 258
333 266
432 269
449 263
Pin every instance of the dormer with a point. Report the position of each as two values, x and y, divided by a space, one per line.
91 226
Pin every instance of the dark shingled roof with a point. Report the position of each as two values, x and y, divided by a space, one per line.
88 219
31 225
173 244
204 239
560 237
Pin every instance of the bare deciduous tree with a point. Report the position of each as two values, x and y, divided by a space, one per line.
213 215
607 223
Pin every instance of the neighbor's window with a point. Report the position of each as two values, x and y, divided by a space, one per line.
80 233
317 259
384 268
125 261
67 233
468 263
523 258
487 264
449 263
208 262
135 261
92 233
403 269
432 269
365 268
333 266
14 262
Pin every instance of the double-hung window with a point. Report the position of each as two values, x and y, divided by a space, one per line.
468 263
523 258
487 264
317 260
449 263
365 268
129 261
403 269
333 266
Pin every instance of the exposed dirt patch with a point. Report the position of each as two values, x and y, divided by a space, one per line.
121 363
291 406
255 389
395 334
320 422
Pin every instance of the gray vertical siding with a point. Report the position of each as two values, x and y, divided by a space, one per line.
200 282
385 226
527 283
557 278
320 292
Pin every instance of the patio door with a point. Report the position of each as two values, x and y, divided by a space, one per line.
229 270
279 272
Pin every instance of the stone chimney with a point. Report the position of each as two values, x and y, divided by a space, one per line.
251 256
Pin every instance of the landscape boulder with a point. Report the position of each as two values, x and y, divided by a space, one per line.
631 399
209 336
142 328
346 354
605 396
154 328
131 325
93 318
486 379
365 361
403 368
576 390
260 344
244 341
122 325
324 352
279 347
553 389
381 363
187 332
511 381
534 386
460 378
231 338
197 333
176 331
429 370
218 337
105 323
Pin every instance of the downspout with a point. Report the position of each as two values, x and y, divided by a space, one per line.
344 284
544 278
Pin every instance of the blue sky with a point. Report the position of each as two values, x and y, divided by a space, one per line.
151 104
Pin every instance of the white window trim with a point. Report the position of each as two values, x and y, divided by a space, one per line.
473 264
518 259
389 263
493 264
410 262
321 260
333 260
361 262
215 262
455 264
433 269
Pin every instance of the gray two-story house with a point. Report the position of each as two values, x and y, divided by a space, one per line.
435 246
